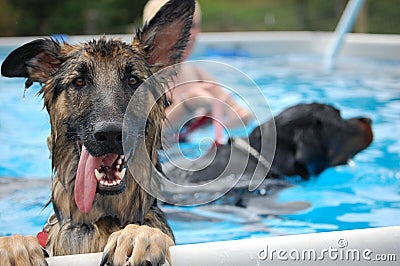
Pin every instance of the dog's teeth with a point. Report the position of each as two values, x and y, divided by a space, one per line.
114 183
98 175
118 181
119 161
102 182
121 174
122 157
118 166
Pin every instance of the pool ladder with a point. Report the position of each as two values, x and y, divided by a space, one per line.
344 26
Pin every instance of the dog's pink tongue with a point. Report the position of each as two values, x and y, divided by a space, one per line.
86 182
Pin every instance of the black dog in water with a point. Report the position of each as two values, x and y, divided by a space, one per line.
309 139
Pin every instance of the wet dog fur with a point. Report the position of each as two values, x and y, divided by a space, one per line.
86 89
303 140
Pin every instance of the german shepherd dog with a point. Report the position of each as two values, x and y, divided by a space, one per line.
86 89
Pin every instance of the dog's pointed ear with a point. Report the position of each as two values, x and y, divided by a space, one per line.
165 36
36 60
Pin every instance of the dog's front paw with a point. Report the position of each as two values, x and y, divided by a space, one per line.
21 250
137 245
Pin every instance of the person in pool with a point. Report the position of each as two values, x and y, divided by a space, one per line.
194 95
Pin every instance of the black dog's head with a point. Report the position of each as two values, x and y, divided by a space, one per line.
313 137
87 88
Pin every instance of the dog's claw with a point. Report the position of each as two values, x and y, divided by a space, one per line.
137 246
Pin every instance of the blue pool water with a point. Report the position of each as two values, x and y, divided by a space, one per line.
366 194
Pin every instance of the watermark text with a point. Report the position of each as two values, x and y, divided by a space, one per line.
341 252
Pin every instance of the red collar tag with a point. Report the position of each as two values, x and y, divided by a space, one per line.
42 237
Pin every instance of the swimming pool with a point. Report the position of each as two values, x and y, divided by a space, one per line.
366 194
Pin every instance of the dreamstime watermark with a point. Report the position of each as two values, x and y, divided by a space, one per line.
340 252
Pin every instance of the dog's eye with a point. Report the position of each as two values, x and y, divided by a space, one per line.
79 82
133 80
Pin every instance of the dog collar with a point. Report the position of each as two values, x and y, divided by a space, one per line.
43 235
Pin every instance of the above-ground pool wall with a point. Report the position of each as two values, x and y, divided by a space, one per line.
271 43
275 43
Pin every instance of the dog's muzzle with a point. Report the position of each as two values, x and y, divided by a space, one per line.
102 166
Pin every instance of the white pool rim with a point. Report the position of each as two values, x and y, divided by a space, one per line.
351 247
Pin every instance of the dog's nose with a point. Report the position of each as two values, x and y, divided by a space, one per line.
108 133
